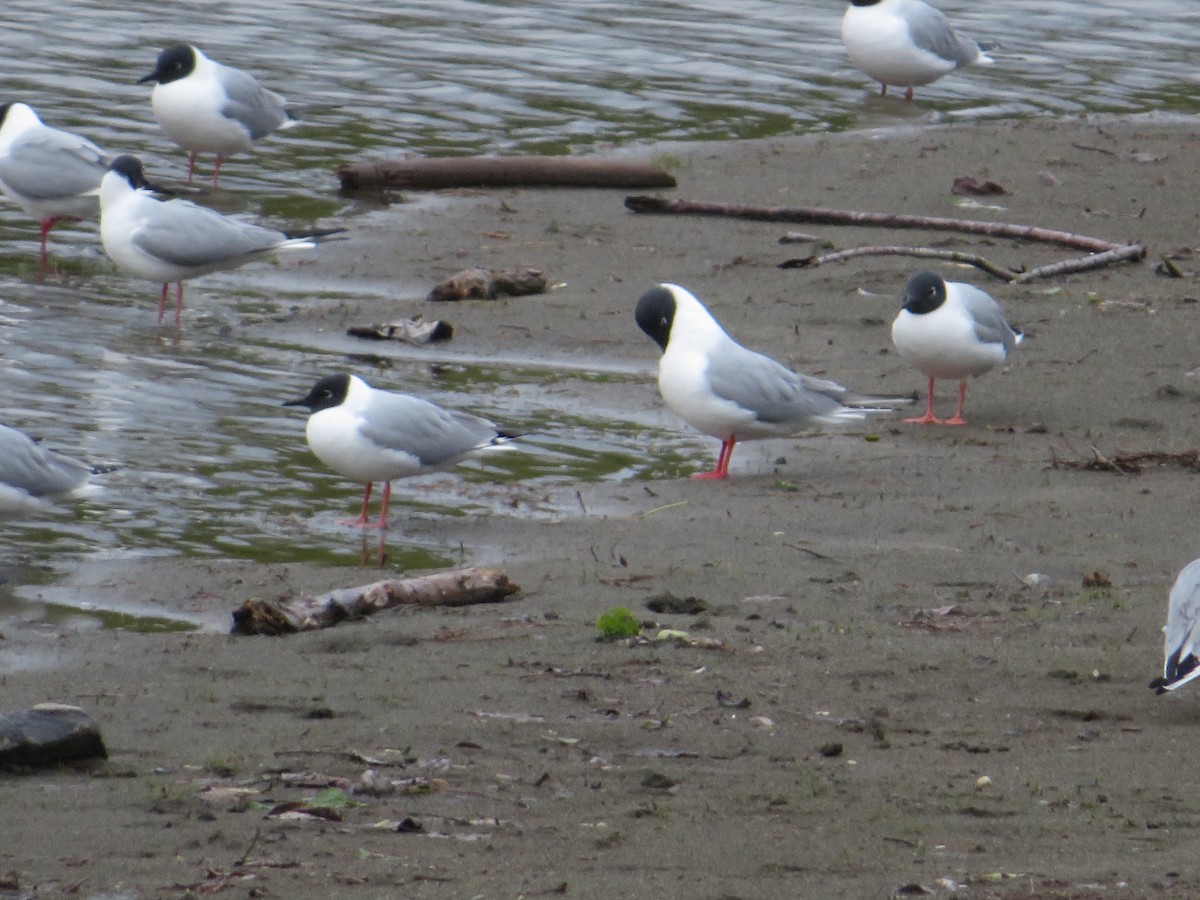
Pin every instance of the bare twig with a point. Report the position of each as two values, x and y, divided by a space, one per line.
1102 252
972 259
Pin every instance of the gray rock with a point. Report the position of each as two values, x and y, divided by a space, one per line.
47 734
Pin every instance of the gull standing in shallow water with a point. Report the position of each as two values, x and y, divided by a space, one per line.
905 43
1182 631
207 107
53 175
370 435
722 389
176 240
948 329
32 477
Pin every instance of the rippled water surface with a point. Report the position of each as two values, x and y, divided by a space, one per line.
215 467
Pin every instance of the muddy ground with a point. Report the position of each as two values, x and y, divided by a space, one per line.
894 706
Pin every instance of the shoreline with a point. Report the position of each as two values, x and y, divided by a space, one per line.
866 584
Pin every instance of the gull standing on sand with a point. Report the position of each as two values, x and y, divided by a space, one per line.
905 43
176 240
53 175
1182 631
207 107
733 394
32 477
370 435
948 329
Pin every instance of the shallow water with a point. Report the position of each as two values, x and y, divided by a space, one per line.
212 465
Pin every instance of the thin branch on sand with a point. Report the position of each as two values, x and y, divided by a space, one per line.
1102 252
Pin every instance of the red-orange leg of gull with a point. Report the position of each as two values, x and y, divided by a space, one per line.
929 418
191 166
722 469
957 418
217 171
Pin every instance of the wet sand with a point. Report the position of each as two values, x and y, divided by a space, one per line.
893 709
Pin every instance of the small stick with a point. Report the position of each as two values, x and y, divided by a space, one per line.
972 259
1129 252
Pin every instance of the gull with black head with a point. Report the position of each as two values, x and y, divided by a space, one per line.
368 435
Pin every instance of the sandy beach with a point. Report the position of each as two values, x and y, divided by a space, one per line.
894 707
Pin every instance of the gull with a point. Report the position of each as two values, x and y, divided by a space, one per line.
32 477
948 329
175 240
734 394
370 435
52 175
207 107
905 43
1182 631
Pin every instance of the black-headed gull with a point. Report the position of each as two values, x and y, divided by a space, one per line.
905 43
1182 631
32 477
371 435
948 329
722 389
207 107
53 175
175 240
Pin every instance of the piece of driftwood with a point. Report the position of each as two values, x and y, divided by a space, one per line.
411 331
463 587
48 734
1013 276
420 174
1130 463
1102 252
488 284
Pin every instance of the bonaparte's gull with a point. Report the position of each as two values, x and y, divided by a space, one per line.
722 389
32 477
207 107
51 174
948 329
1182 631
371 435
905 43
175 240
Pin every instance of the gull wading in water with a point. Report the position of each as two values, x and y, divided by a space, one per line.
948 329
1182 631
32 477
174 240
722 389
371 435
905 43
207 107
53 175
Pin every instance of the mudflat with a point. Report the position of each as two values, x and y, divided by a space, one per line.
919 655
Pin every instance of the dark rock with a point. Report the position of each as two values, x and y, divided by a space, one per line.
47 734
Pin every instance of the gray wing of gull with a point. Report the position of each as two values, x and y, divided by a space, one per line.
259 110
774 393
51 164
990 325
932 31
1183 613
435 436
27 466
184 234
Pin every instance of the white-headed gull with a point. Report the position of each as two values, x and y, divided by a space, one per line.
722 389
905 43
1182 631
207 107
175 240
371 435
51 174
948 329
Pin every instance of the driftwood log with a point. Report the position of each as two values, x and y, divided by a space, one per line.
501 171
488 284
463 587
48 734
1101 252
